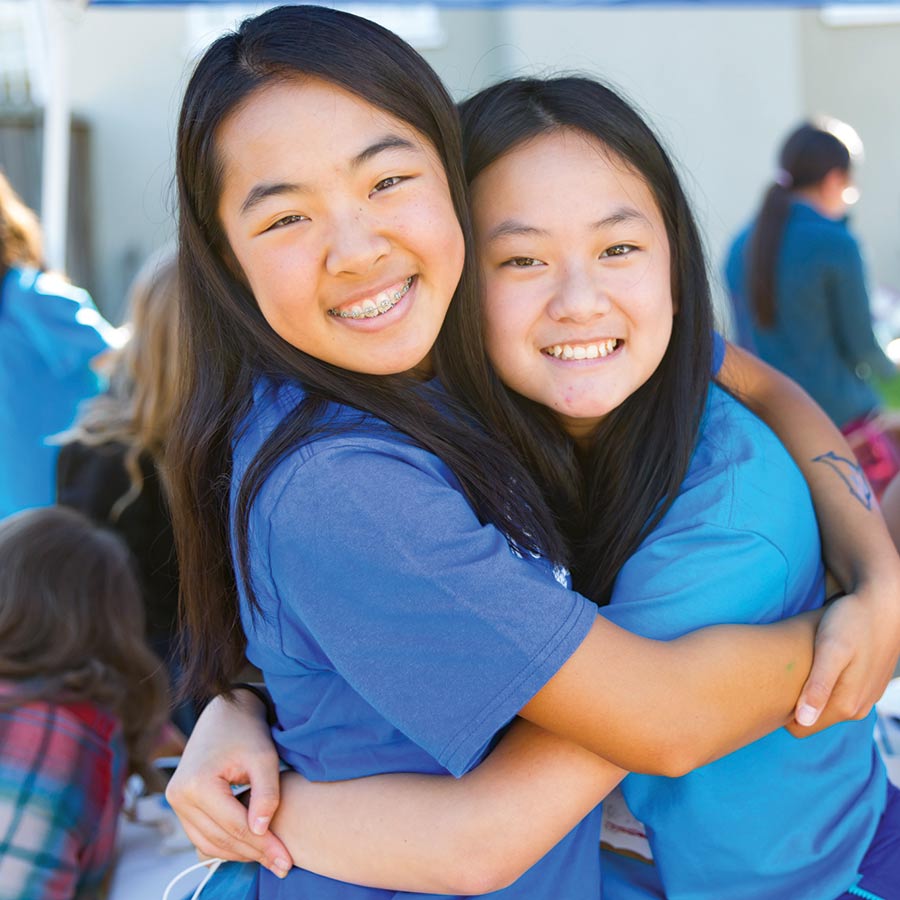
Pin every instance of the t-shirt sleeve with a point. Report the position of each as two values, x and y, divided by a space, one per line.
702 573
718 355
427 613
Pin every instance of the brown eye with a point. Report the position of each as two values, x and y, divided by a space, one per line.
619 250
523 262
286 220
386 183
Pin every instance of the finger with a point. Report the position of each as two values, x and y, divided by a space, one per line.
265 794
236 843
831 660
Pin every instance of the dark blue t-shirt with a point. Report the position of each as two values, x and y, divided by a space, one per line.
398 633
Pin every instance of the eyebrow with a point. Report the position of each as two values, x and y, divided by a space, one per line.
260 192
515 228
387 142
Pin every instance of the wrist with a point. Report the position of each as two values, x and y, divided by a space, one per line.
263 700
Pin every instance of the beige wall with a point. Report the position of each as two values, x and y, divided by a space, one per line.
722 87
698 75
854 74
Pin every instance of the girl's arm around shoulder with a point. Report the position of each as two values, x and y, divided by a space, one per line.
858 643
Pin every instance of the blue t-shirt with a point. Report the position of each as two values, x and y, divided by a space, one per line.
781 818
49 332
397 633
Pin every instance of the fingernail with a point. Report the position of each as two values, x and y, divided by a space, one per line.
806 714
260 825
281 867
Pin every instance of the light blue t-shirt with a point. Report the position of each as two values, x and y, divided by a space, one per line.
49 332
397 633
780 819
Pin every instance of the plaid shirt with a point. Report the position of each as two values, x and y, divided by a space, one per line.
62 770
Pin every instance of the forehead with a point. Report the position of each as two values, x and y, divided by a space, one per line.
564 172
305 122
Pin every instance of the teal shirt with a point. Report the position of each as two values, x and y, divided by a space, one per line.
822 337
780 819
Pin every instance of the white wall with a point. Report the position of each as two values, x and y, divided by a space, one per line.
126 80
698 75
722 86
854 74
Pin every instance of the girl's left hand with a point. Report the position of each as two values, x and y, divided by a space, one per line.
230 744
857 645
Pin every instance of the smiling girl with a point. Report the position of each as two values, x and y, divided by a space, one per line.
391 559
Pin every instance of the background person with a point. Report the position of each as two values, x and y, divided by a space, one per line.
798 288
82 701
108 465
50 335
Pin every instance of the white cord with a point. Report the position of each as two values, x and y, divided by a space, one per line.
213 865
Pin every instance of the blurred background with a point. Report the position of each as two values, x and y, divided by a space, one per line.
722 83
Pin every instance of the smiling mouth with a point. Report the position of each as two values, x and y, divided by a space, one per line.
374 306
594 350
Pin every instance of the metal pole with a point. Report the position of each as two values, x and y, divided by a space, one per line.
57 117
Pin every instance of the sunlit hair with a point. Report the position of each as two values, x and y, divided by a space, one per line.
808 155
615 493
72 624
20 232
144 380
228 342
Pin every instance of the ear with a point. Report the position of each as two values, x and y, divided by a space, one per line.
836 180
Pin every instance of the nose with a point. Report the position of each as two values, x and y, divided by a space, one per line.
357 243
578 296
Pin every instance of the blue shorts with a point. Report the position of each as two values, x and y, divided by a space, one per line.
880 869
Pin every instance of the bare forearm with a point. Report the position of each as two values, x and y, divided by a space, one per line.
667 707
441 835
855 540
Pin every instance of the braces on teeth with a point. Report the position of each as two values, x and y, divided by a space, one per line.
370 309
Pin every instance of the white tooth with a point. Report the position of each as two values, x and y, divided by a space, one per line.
557 351
579 353
592 352
355 311
610 345
567 352
602 350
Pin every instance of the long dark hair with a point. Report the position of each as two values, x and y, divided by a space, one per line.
227 342
806 157
631 473
72 624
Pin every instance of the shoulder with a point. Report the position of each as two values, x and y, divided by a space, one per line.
830 236
353 452
740 476
23 285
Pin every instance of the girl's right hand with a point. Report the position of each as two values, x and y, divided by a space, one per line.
230 744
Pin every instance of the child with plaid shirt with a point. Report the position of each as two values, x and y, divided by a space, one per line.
81 701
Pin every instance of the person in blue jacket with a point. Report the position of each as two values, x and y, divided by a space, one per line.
583 317
50 335
798 287
393 564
